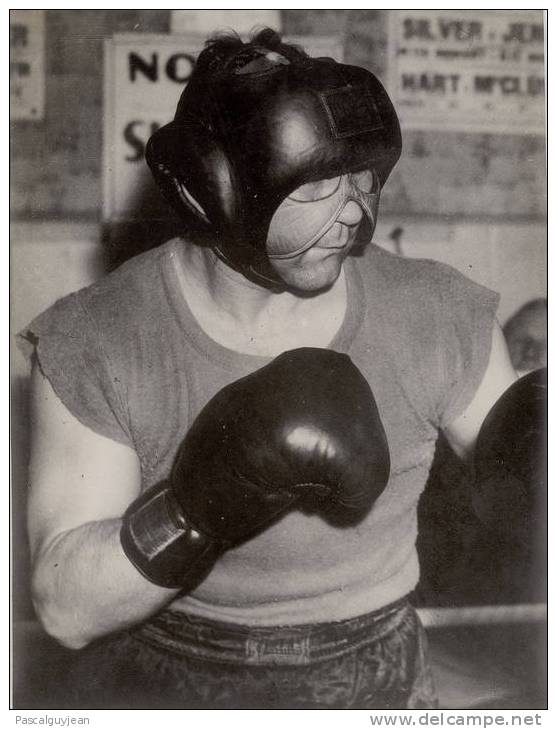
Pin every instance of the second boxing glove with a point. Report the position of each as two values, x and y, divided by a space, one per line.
511 459
302 432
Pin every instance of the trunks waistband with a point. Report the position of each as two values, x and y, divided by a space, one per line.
196 637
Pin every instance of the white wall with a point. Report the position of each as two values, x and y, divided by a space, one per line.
48 260
510 259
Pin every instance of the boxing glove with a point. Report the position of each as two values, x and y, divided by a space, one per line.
510 459
303 432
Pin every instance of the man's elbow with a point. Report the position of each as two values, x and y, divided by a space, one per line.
55 619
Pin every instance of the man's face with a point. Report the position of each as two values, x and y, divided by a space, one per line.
319 266
315 228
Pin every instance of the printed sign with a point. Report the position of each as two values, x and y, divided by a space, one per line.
144 76
207 22
468 70
27 80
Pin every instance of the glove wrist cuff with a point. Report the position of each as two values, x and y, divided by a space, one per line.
162 544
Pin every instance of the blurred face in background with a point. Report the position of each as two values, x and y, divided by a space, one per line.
526 335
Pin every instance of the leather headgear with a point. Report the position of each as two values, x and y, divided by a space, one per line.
243 139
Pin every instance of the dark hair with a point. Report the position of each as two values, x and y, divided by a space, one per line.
222 48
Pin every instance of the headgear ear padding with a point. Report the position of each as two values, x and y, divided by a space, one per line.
241 142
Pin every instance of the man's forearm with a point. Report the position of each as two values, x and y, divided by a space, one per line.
84 586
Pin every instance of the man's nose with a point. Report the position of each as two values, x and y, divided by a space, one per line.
351 213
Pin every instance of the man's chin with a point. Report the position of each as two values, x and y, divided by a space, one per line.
313 279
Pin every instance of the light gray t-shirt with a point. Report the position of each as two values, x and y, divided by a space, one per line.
129 360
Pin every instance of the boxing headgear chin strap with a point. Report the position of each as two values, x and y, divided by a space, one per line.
242 142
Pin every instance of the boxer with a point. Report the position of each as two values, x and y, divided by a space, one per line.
232 430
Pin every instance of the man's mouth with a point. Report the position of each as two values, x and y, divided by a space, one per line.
336 244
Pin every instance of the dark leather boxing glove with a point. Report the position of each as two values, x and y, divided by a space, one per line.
303 432
511 461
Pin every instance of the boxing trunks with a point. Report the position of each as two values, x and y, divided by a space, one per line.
376 661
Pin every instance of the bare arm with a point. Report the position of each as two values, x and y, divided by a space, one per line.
499 375
83 585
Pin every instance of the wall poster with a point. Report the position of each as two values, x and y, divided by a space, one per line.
468 70
27 77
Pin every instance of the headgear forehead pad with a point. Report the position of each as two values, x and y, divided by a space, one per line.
244 139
